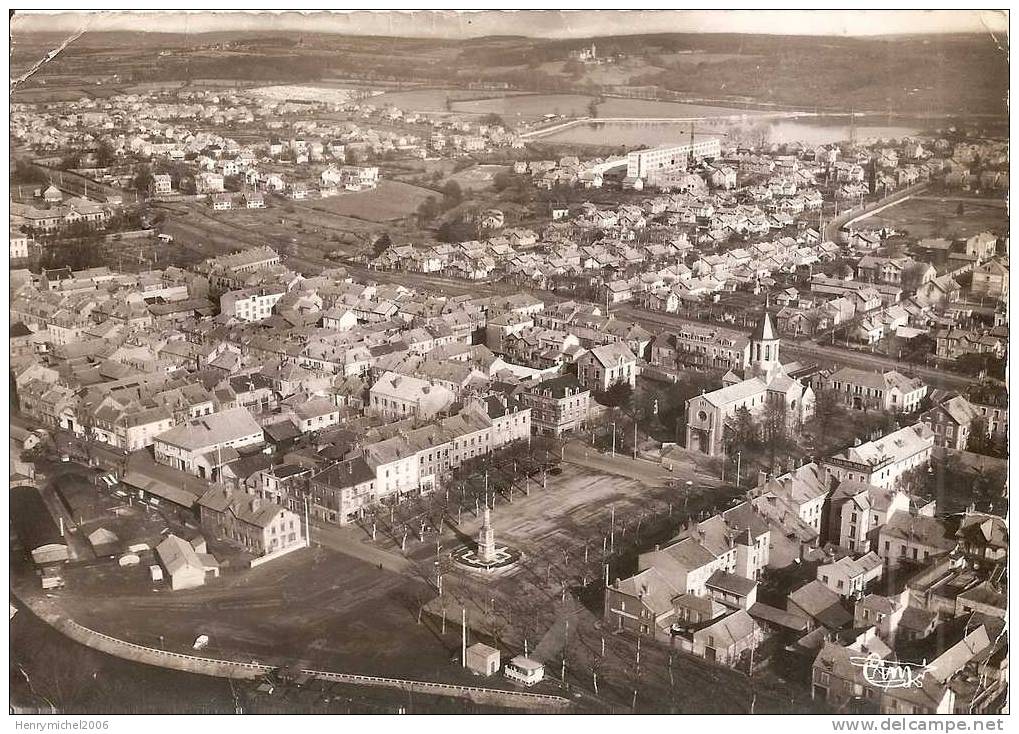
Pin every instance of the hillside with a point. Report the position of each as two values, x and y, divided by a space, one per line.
900 75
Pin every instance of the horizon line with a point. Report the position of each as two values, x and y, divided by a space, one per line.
561 24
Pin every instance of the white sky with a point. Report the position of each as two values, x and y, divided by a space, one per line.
554 24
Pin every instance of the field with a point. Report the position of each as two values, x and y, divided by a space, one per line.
534 106
931 216
527 107
427 100
477 177
391 200
615 107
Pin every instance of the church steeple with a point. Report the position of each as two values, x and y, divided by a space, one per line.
763 346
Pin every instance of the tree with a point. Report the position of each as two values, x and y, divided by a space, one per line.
493 120
451 195
105 156
775 429
981 364
143 181
382 243
427 210
501 181
742 432
617 395
827 410
70 161
592 108
457 230
25 172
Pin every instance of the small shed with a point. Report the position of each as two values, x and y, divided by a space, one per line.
482 659
104 542
525 670
28 440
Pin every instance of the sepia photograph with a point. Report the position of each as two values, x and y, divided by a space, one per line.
477 362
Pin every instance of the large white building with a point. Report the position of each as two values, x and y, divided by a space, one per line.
649 163
250 305
884 461
400 396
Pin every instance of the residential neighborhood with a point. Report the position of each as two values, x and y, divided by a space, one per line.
483 370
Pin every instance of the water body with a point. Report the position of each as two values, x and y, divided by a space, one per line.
812 131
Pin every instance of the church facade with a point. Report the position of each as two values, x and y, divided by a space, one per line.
765 380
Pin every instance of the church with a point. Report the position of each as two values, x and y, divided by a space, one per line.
765 379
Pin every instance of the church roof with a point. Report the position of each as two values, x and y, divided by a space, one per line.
765 330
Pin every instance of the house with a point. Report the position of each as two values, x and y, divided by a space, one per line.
186 564
20 245
990 280
912 538
398 396
261 527
848 576
222 202
889 391
161 184
950 421
838 679
558 405
315 414
201 446
819 605
642 604
342 492
983 537
939 292
208 182
253 304
254 200
856 511
802 489
882 462
606 365
726 640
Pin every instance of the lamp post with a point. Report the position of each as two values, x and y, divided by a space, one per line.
613 439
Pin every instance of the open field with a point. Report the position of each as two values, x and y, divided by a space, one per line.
478 177
527 107
933 216
391 200
429 100
314 605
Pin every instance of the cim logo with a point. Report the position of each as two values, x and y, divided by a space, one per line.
884 674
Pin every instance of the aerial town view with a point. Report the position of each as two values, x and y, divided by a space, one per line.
490 362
